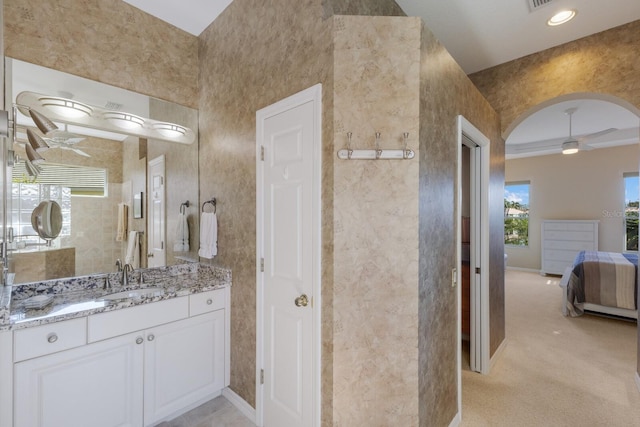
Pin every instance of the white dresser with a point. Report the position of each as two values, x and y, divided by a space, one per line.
563 239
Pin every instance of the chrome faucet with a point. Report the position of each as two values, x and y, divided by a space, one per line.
125 276
119 265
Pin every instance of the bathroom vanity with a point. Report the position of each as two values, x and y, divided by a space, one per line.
104 357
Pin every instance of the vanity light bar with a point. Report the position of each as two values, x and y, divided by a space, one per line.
100 118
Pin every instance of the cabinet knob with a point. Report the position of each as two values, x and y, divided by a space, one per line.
52 337
151 337
139 340
209 301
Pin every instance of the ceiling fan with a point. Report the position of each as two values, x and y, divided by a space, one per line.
572 145
56 139
65 141
567 145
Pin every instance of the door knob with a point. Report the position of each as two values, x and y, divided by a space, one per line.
302 301
150 255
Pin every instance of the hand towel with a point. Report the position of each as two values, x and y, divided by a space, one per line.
182 234
133 250
123 216
208 235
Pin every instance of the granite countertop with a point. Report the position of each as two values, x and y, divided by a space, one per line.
82 296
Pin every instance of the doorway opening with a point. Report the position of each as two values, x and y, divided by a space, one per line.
472 250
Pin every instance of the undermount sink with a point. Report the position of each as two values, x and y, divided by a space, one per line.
134 293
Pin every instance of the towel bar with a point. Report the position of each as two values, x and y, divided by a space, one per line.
212 202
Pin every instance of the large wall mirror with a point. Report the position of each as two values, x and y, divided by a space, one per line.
96 168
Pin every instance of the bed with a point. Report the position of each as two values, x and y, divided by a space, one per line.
601 282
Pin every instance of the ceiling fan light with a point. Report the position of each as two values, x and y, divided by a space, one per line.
36 141
570 147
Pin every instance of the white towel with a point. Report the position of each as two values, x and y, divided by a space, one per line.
133 250
208 235
182 234
123 216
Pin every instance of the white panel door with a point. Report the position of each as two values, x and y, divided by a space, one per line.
288 282
156 256
97 385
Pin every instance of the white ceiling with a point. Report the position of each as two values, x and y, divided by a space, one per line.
482 34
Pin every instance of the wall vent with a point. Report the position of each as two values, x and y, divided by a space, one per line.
537 4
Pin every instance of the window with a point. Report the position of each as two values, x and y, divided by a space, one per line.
81 180
26 197
516 213
631 198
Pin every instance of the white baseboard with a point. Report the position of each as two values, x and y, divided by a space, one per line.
638 380
241 404
455 422
527 270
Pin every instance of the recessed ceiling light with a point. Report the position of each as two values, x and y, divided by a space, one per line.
562 17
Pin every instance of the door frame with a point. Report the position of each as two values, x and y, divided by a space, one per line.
149 201
312 94
482 231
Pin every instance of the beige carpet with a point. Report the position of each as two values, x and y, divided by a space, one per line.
555 371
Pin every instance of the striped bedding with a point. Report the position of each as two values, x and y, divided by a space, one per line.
604 278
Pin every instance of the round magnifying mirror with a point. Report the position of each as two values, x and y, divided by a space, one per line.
46 219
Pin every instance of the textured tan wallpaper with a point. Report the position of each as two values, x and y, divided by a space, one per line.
445 92
108 41
269 52
377 80
606 62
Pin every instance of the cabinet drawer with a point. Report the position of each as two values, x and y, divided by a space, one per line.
584 236
120 322
556 255
50 338
569 226
205 302
555 267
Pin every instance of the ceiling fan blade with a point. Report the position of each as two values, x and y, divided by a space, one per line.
75 150
63 137
597 134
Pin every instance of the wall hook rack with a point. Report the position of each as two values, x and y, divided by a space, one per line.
378 153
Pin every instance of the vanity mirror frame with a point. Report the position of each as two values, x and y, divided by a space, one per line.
182 164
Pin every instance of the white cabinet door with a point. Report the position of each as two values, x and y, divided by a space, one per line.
97 385
184 364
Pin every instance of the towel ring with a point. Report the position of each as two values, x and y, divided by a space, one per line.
184 206
210 202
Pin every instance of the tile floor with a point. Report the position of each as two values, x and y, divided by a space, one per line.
218 412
